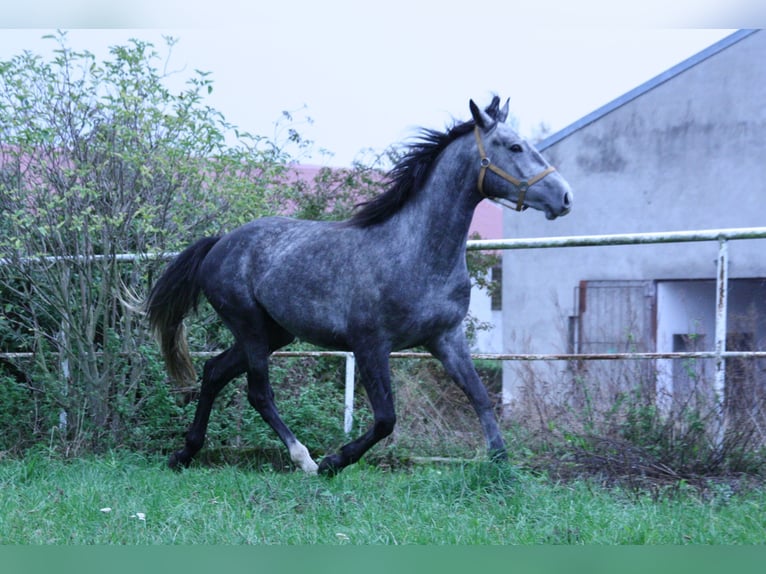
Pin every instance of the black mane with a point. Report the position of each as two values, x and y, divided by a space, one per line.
410 173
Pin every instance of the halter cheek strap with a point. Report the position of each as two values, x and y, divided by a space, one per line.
521 185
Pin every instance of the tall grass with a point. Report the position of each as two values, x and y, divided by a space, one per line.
127 499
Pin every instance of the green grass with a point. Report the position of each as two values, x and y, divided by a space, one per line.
46 500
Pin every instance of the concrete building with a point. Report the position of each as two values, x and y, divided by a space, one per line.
684 151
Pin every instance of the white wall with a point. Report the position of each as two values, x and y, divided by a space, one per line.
688 307
683 308
489 341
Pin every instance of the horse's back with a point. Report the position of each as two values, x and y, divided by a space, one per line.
291 269
260 245
331 283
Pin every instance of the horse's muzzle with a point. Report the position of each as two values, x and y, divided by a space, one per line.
552 212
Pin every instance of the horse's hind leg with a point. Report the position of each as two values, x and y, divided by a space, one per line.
216 374
261 397
452 350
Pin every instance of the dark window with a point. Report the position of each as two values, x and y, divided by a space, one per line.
496 288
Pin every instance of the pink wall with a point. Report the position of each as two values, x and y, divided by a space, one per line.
487 221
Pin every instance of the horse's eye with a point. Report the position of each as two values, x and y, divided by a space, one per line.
516 148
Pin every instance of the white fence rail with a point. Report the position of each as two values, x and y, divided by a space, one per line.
720 354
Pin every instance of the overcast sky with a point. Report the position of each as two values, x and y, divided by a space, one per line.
368 74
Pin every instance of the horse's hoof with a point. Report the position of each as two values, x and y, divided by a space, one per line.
499 455
302 459
176 463
330 466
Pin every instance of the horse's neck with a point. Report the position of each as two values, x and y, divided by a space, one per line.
439 216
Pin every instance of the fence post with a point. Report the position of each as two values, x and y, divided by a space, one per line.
61 339
722 296
348 411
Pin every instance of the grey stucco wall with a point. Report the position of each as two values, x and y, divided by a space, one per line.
689 153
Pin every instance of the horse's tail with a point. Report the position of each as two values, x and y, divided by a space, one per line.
174 294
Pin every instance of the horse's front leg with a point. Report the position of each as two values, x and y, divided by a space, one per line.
376 378
451 348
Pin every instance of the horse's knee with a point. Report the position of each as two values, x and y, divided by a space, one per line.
384 425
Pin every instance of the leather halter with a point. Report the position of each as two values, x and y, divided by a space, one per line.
521 185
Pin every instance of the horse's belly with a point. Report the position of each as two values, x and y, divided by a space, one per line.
315 322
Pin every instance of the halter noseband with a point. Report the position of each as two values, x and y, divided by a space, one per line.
521 185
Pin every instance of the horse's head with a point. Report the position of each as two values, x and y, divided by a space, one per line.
517 171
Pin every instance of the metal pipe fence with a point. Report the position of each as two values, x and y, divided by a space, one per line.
720 354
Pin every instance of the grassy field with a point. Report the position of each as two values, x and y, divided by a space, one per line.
127 499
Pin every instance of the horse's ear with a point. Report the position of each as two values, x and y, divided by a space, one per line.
482 119
502 115
494 107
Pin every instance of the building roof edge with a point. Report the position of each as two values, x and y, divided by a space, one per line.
631 95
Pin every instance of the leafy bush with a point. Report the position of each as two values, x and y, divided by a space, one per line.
99 159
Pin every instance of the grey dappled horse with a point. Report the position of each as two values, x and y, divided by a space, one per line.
391 277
